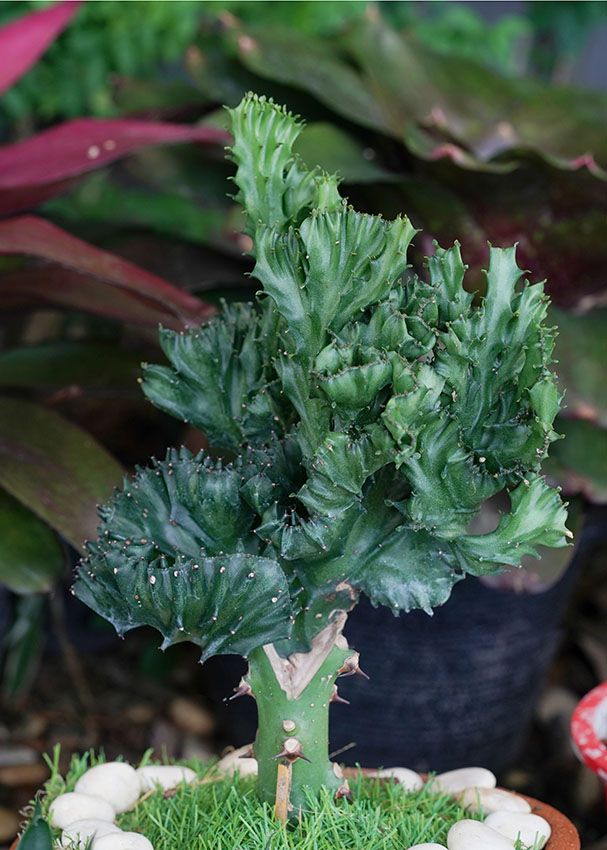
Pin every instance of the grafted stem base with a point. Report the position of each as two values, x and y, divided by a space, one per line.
301 723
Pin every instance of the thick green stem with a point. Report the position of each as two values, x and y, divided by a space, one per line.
288 712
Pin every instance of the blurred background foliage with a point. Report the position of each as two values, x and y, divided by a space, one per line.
473 127
470 127
76 76
421 107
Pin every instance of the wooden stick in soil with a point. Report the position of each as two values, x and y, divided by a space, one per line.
283 791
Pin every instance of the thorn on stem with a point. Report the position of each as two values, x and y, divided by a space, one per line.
351 667
291 751
243 690
335 697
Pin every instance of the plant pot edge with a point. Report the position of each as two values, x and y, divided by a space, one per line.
564 835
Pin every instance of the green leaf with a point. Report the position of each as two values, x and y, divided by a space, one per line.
338 153
535 574
177 552
579 460
353 261
502 277
91 365
580 357
356 387
452 107
38 835
31 559
314 65
447 485
104 200
182 505
54 468
340 468
279 269
391 562
23 646
446 271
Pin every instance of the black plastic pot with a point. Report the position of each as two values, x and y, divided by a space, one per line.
445 691
453 689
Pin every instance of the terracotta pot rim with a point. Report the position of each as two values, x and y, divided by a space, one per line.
564 834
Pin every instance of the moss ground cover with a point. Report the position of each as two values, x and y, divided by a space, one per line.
227 815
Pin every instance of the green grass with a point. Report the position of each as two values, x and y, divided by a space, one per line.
226 815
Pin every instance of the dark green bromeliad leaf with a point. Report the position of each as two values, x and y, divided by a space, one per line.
31 558
452 106
89 365
580 354
67 471
371 414
23 645
579 460
325 145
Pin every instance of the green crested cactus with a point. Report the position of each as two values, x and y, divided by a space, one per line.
363 415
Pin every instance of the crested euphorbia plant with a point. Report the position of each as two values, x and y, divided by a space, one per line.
359 417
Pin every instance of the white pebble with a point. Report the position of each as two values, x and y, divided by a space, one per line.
456 781
114 781
233 763
474 835
409 779
427 847
245 767
79 832
166 775
530 828
124 841
488 800
70 807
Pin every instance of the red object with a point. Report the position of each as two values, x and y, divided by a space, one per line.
589 732
24 40
82 276
37 168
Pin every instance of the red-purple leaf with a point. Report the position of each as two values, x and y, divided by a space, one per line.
24 40
34 169
84 277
